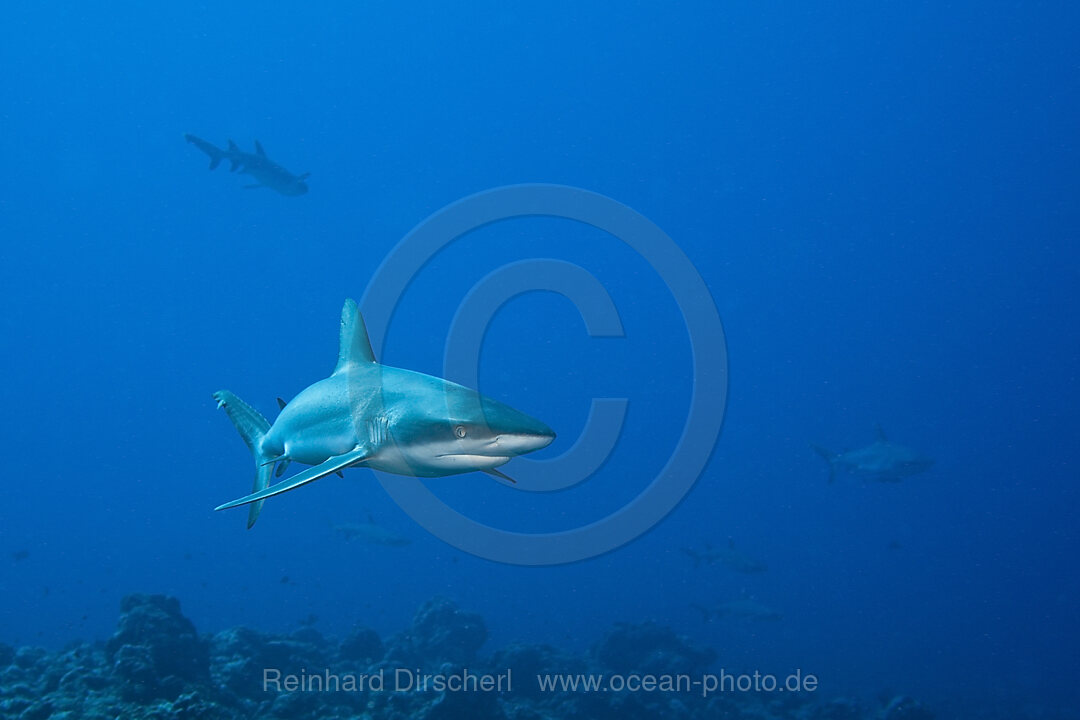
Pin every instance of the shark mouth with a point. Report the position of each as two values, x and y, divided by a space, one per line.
474 459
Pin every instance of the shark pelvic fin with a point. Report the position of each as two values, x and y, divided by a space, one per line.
354 347
332 465
499 474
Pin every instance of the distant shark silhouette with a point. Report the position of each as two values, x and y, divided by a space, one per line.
267 172
730 557
381 417
882 460
370 533
743 608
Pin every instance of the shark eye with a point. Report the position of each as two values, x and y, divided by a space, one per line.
460 431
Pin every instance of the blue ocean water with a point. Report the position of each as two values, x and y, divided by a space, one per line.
881 199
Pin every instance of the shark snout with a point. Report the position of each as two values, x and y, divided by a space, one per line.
523 442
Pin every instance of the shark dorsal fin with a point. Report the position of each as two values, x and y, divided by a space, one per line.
881 434
354 348
232 146
259 149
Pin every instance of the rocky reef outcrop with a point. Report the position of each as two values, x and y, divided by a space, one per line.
157 666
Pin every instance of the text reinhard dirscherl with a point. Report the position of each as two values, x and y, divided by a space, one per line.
409 680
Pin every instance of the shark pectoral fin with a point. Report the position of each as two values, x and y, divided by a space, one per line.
499 474
310 475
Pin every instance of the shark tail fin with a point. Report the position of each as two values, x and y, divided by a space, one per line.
693 555
216 154
830 457
234 156
252 427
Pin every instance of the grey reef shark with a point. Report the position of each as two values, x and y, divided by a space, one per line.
882 460
266 172
743 608
370 533
730 557
385 418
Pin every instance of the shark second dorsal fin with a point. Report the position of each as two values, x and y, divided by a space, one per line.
354 347
881 433
259 149
281 404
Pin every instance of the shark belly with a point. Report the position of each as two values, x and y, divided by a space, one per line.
405 461
314 448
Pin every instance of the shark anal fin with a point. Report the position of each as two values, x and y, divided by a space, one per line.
332 465
339 473
499 474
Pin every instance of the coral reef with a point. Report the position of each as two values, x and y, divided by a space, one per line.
156 666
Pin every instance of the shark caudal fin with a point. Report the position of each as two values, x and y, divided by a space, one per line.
693 555
216 154
234 154
830 457
252 427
